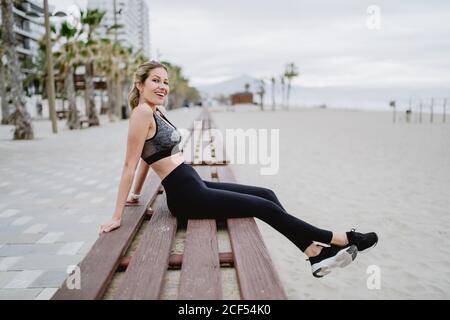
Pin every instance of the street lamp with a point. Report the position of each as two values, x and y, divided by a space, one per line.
50 80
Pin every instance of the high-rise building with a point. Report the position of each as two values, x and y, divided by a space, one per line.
28 30
132 15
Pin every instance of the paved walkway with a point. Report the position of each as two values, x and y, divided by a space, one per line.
55 191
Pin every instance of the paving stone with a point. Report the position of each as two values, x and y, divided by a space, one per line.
6 238
7 276
19 294
46 294
9 263
24 279
11 250
52 278
46 262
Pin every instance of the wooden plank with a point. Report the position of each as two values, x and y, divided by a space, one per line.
187 150
206 148
200 274
255 270
176 261
99 265
219 150
144 276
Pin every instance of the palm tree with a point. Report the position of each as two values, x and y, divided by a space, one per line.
109 65
3 77
179 86
273 81
90 21
133 60
261 92
283 87
20 117
103 65
290 73
66 59
247 87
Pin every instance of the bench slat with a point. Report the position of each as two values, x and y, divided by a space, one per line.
99 265
200 274
144 276
256 273
219 147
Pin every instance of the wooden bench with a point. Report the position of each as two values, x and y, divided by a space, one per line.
155 256
83 120
61 114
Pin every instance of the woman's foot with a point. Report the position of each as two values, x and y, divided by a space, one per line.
332 257
362 241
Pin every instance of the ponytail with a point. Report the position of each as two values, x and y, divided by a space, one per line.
133 97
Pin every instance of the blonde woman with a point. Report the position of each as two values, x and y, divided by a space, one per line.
152 137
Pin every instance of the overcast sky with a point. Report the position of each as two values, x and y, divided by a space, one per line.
329 41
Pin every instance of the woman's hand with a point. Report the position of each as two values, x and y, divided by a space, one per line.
132 200
110 225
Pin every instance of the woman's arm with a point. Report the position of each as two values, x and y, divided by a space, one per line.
140 178
140 122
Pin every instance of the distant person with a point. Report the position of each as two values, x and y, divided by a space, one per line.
155 139
408 115
39 109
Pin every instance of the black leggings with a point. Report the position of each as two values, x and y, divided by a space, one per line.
190 197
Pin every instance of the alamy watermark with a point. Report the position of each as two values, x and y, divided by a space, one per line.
373 21
374 280
73 281
239 146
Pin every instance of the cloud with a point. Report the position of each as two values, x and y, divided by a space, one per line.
328 40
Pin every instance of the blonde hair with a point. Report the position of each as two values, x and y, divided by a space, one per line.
141 74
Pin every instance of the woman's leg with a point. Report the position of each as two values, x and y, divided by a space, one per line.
247 189
209 203
266 193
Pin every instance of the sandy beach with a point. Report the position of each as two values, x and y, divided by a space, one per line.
338 169
343 169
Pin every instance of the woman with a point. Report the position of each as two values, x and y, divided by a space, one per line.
153 138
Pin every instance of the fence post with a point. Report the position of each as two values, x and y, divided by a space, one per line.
420 114
431 107
445 107
392 104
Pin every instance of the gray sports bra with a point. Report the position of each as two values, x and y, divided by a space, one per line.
164 143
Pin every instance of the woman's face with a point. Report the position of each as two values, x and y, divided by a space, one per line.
155 88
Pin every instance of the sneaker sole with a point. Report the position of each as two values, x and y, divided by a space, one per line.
342 259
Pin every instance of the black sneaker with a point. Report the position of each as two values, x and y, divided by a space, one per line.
332 257
362 241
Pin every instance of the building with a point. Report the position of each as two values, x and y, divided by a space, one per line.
241 98
28 30
133 15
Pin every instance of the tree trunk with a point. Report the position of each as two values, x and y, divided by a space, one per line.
125 85
111 100
3 95
273 96
288 94
118 91
90 96
72 117
20 118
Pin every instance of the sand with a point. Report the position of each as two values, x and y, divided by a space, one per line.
342 169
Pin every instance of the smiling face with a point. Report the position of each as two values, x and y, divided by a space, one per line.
155 88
